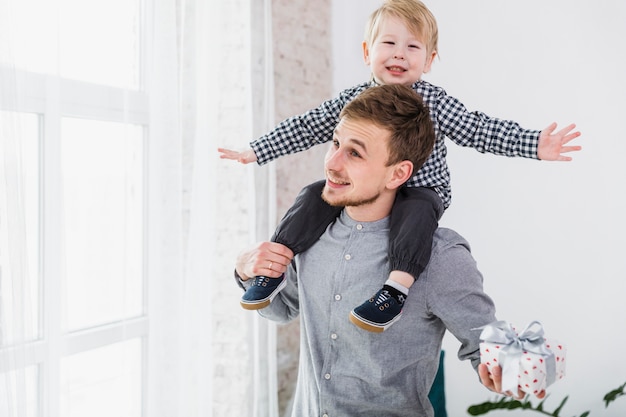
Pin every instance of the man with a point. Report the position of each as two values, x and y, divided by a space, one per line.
383 136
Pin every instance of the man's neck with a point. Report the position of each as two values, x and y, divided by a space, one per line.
372 212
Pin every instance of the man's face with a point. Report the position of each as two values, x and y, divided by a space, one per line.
397 56
355 166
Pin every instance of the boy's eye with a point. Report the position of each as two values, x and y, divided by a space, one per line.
388 42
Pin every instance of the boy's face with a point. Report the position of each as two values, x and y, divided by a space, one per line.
357 175
397 56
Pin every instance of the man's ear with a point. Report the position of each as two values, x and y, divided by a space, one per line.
366 53
401 173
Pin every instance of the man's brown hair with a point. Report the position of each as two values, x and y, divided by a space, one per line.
400 111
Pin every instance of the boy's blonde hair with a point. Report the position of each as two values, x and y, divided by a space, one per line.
415 15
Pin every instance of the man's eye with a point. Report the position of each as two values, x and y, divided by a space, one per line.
355 154
335 143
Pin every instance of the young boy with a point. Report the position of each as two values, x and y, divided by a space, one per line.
400 45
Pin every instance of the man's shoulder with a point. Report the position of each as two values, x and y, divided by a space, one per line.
445 238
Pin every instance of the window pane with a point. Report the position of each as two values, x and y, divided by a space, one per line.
93 41
29 40
99 41
102 183
103 382
19 393
19 227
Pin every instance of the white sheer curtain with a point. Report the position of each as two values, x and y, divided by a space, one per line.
263 182
205 85
220 359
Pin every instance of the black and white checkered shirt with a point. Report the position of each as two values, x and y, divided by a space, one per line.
450 119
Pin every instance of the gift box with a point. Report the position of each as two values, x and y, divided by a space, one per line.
529 361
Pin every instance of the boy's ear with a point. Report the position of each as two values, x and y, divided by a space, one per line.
366 53
401 174
429 62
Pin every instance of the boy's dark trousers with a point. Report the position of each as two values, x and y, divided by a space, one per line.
413 221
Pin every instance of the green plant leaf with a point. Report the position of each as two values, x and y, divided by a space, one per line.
558 409
503 404
613 395
506 403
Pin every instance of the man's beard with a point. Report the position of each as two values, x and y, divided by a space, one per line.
349 202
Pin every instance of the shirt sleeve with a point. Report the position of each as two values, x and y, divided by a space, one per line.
484 133
301 132
456 295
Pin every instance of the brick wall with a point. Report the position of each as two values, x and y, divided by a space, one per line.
302 54
303 79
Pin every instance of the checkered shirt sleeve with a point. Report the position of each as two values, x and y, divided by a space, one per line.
469 129
301 132
450 119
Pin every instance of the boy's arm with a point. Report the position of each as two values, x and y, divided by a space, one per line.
500 137
301 132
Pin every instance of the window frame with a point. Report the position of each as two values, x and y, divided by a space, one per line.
52 98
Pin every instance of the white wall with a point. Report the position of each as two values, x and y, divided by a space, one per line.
548 237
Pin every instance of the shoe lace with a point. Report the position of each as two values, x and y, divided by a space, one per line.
383 296
259 280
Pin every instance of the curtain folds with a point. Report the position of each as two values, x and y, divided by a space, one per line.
208 83
220 360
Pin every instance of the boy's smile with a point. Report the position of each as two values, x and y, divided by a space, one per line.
397 56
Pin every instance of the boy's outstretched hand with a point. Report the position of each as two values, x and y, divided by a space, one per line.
244 157
493 381
552 146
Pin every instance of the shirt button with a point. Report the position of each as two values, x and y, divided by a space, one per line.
359 226
347 257
333 336
324 415
327 376
337 297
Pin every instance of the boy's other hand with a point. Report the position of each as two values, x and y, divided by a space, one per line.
244 157
552 146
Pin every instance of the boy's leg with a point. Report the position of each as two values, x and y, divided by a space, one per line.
414 219
302 225
306 220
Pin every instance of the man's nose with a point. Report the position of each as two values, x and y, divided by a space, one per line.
333 159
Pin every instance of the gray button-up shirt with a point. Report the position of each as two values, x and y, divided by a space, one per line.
346 371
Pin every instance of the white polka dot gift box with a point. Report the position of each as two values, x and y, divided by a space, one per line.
529 361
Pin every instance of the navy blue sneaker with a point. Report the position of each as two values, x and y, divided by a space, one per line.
262 292
378 313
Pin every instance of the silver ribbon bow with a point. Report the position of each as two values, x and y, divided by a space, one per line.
512 348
